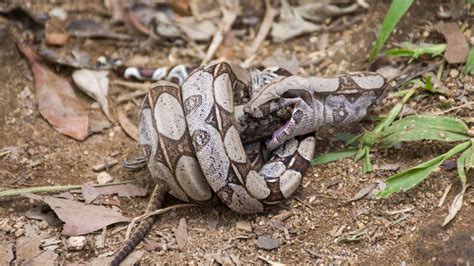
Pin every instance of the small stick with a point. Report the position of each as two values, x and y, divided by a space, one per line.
304 203
133 85
228 19
19 191
131 96
105 165
270 15
159 211
445 194
454 108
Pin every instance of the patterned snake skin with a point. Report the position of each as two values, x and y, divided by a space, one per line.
192 134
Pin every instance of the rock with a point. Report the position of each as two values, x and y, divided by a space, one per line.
267 242
454 73
76 242
104 178
58 13
244 225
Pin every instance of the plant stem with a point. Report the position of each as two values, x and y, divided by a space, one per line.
19 191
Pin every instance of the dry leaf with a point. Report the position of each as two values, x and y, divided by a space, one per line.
457 48
291 24
88 28
80 218
455 207
279 59
200 31
96 85
319 11
74 58
39 213
133 258
267 242
56 99
364 191
6 253
46 257
89 193
181 234
27 248
127 126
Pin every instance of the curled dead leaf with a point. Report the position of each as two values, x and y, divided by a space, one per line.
96 85
127 126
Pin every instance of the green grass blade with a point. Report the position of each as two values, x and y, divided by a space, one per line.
441 123
344 136
366 163
416 50
397 9
333 156
415 128
469 67
421 134
469 162
413 176
460 165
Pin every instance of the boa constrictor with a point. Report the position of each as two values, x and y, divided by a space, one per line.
192 134
192 140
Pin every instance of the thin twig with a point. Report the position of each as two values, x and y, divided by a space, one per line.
133 85
445 194
130 96
270 15
19 191
228 18
454 108
159 211
305 204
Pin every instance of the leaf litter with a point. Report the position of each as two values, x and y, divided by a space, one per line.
79 218
56 99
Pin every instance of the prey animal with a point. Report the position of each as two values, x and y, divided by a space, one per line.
191 132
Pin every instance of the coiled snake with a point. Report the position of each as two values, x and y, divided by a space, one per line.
191 134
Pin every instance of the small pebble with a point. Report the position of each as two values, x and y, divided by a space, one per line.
43 225
454 73
244 225
104 178
19 232
76 242
58 12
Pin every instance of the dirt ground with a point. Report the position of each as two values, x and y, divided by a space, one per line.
403 229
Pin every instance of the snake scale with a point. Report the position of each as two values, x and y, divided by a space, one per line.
191 131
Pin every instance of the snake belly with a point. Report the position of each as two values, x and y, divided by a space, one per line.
209 107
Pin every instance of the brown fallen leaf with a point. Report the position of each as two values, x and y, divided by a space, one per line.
56 99
457 48
78 217
181 234
127 126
